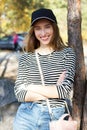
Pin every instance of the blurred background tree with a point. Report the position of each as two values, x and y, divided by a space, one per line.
15 15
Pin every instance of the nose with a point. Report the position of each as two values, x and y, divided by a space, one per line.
43 32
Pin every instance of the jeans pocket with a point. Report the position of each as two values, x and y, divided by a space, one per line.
26 106
30 105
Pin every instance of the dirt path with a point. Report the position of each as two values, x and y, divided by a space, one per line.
8 69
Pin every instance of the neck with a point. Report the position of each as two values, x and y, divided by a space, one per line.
44 50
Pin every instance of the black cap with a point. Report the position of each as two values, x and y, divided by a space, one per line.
43 13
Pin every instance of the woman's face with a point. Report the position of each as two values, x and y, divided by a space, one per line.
43 32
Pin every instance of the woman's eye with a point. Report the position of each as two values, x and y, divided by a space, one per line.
48 26
36 28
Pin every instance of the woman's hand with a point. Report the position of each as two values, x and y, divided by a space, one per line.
42 92
32 96
61 78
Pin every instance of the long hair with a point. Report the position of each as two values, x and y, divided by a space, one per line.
32 43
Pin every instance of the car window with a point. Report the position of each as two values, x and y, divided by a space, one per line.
5 38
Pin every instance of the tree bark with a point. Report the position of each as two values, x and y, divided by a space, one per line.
75 39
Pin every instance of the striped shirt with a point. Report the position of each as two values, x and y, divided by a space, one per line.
52 66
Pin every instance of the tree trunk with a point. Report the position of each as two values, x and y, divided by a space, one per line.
75 39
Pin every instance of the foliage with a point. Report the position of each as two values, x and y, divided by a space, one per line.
58 3
84 19
15 15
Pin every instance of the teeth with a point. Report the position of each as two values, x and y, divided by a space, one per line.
44 38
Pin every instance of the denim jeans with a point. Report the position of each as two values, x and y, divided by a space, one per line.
34 116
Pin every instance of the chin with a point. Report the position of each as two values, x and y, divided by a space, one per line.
45 42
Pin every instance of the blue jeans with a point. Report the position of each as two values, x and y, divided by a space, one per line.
34 116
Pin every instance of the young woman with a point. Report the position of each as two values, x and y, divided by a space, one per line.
58 66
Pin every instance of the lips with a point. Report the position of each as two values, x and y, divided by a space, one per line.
45 38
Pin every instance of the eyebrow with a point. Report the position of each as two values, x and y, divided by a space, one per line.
45 25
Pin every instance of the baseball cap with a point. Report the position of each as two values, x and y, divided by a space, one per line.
43 13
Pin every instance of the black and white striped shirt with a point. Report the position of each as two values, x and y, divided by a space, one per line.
52 66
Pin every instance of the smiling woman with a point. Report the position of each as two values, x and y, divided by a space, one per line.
44 33
58 67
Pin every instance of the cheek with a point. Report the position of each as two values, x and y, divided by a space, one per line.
36 34
52 33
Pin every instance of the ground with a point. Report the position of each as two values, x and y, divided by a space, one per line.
8 69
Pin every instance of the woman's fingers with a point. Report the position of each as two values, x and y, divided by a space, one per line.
61 78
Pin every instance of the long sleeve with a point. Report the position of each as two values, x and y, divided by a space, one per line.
21 81
65 89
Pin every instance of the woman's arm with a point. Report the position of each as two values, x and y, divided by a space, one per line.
47 91
32 96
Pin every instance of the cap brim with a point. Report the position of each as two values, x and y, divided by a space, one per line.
42 18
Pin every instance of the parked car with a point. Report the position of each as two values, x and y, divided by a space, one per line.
6 42
23 34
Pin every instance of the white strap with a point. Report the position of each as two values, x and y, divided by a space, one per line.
42 79
40 70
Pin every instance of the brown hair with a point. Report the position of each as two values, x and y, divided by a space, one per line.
32 43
